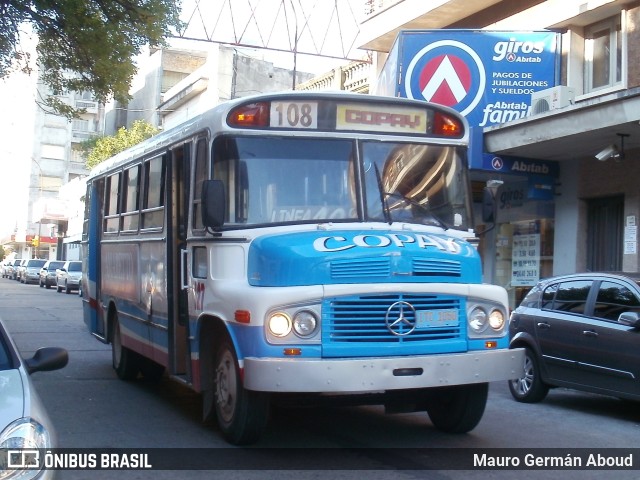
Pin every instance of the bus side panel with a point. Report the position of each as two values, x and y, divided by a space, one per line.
154 298
90 266
121 282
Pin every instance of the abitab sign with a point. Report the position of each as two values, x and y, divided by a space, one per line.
487 76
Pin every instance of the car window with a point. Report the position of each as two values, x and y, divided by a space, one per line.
571 297
55 265
75 266
5 357
548 296
613 299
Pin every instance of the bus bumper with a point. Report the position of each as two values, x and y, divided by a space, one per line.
359 375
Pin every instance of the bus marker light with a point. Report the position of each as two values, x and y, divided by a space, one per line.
490 344
250 115
292 351
242 316
446 125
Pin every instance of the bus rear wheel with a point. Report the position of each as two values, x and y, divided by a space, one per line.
126 362
241 414
458 409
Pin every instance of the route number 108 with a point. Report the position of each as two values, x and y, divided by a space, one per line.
294 114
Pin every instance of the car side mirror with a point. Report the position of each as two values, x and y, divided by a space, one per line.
630 318
47 359
213 204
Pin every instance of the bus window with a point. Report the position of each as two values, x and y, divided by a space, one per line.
278 180
112 211
153 201
131 199
419 183
200 176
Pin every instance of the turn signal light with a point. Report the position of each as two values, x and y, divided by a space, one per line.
490 344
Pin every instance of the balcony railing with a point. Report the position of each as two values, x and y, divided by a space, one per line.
353 77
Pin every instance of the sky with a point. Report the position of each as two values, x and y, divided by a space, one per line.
323 33
16 140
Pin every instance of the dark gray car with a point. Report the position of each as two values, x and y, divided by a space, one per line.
579 331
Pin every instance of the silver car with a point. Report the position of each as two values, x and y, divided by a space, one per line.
48 273
24 423
68 276
31 272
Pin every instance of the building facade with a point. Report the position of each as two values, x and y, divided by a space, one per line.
563 173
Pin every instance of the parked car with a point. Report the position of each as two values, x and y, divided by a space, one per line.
4 268
48 273
24 422
579 331
31 272
68 276
12 268
20 269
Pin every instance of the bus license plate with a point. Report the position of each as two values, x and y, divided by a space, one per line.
437 318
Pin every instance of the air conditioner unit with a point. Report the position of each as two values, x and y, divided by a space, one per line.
551 99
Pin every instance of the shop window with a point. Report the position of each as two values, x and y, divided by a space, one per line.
603 54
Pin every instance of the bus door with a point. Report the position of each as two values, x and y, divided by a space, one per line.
177 215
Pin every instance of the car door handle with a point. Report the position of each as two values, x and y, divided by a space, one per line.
544 325
589 333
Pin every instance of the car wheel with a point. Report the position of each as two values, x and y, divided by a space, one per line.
58 288
126 362
458 409
529 388
67 290
242 414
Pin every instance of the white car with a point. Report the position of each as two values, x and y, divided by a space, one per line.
68 276
24 423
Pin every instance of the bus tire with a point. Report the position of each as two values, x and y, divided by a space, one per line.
458 409
241 414
126 362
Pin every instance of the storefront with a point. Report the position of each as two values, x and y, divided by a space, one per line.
517 250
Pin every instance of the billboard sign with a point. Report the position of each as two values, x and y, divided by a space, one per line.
487 76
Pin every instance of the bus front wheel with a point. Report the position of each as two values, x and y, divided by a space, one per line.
126 362
241 414
458 409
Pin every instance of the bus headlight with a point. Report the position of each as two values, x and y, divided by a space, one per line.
496 319
304 323
279 324
478 320
486 320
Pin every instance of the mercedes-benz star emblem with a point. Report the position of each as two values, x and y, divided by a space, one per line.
397 322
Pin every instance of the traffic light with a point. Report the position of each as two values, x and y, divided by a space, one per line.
36 241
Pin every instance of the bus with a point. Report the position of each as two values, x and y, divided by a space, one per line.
311 245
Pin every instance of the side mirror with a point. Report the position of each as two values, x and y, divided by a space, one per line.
214 204
630 318
47 359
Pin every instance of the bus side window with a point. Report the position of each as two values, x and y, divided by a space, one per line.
199 177
111 208
153 198
131 199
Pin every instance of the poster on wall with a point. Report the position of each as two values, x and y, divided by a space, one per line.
525 260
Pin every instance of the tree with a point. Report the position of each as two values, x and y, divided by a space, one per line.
100 149
84 45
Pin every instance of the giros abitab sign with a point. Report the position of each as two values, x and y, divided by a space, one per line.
487 76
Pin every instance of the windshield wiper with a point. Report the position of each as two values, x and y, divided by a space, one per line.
383 196
410 201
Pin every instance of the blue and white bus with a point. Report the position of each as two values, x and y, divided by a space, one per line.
298 244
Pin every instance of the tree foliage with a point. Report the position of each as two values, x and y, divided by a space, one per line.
100 149
84 45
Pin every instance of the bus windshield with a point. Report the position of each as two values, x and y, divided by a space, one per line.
275 180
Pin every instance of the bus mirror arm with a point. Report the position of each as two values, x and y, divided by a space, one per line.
213 204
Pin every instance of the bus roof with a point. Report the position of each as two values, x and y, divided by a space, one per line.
216 119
